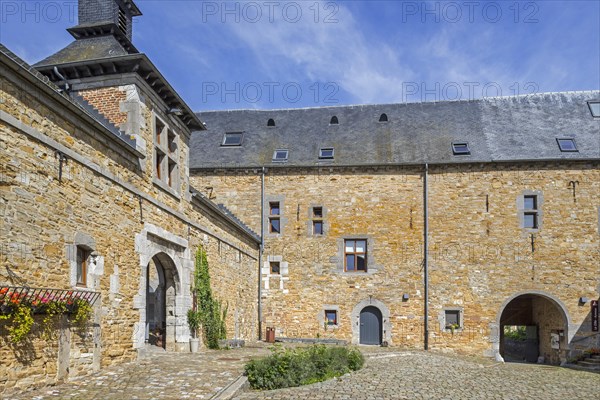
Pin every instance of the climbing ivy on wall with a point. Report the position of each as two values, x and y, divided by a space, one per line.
212 313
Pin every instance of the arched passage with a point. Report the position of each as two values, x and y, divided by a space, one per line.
533 325
161 290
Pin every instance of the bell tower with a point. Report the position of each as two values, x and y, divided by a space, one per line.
102 13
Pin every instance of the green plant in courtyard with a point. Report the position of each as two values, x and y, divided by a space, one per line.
212 313
302 366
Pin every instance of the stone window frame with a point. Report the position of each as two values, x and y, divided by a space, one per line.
522 211
322 319
282 276
94 262
166 145
442 319
283 220
312 219
356 254
372 266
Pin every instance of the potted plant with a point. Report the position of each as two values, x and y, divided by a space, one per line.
193 318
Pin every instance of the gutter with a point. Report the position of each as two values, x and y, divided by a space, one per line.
262 247
379 165
425 260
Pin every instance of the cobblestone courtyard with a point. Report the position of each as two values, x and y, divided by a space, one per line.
388 374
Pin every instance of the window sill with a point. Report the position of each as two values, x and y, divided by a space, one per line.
160 184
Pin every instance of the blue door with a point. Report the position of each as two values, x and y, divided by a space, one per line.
370 326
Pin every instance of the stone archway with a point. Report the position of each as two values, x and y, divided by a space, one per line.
543 323
386 326
162 283
169 256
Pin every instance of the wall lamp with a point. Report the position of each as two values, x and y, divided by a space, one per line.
583 300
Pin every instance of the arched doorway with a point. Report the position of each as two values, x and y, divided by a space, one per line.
533 327
371 326
161 290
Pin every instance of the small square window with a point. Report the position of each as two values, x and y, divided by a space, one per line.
274 208
452 319
530 220
280 155
567 145
530 202
594 108
274 225
317 212
232 139
275 267
331 317
460 149
317 227
326 153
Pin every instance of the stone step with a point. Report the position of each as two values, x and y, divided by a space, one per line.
592 360
587 364
595 356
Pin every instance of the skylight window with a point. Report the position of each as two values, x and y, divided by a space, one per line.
280 155
461 149
566 144
326 153
232 139
594 108
383 118
334 121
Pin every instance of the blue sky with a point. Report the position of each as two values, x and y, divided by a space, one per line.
281 54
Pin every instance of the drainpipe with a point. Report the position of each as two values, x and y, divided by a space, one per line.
61 77
425 259
262 246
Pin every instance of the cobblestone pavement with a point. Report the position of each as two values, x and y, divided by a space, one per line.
420 375
388 374
158 376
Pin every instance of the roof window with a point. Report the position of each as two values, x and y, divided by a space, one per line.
271 122
232 139
566 144
383 118
334 121
280 155
326 153
461 149
594 108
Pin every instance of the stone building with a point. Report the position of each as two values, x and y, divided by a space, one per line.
494 202
436 225
96 200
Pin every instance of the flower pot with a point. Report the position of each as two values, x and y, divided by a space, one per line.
194 345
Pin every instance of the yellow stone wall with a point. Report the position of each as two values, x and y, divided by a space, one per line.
479 256
40 217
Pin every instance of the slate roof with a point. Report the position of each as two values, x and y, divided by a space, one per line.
92 48
496 129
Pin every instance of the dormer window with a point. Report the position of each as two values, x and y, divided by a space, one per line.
280 155
594 107
271 122
232 139
566 145
334 121
326 153
383 118
461 149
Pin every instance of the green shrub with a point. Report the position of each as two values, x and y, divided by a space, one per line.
296 367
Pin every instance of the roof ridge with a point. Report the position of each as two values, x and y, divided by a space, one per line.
482 99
